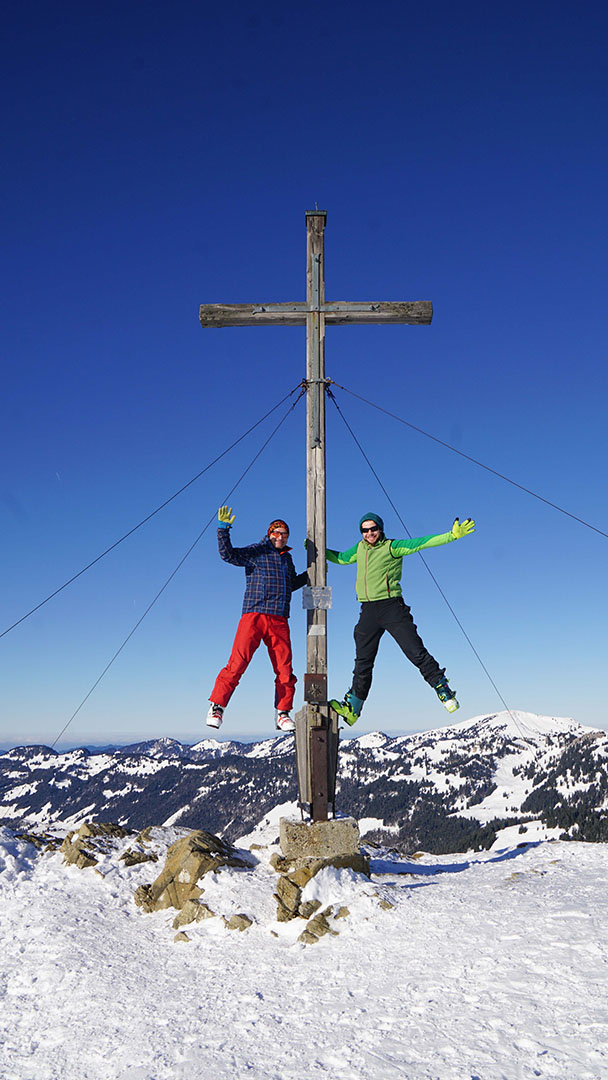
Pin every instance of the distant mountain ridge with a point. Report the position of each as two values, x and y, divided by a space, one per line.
445 790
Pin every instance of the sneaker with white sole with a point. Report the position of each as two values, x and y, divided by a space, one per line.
284 721
215 715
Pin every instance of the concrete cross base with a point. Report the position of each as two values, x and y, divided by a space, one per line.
319 839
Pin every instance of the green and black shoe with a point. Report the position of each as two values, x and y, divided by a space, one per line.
446 695
349 709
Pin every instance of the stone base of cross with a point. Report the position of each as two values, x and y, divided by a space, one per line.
316 723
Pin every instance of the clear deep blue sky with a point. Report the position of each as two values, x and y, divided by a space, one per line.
161 156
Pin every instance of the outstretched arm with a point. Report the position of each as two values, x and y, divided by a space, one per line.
342 558
420 543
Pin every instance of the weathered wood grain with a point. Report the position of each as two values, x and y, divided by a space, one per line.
337 313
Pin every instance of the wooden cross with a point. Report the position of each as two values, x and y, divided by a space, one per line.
316 739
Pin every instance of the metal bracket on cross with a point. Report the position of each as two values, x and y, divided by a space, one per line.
317 740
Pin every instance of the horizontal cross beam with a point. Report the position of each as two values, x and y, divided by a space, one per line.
338 312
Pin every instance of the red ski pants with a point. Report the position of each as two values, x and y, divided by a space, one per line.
254 628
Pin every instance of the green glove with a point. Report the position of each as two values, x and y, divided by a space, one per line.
225 516
458 530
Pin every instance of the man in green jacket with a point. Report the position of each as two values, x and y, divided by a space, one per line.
379 565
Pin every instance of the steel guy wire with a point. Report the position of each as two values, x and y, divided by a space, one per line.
438 586
153 514
178 567
468 457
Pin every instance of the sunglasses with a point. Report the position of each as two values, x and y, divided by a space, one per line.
279 532
372 528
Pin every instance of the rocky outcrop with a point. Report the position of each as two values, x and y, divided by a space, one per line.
294 875
44 842
92 840
132 857
192 911
317 928
238 922
188 860
111 849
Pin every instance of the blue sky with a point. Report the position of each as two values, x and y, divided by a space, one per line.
159 157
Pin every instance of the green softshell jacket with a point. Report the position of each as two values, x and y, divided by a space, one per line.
379 566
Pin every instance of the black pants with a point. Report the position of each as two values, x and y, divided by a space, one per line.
395 616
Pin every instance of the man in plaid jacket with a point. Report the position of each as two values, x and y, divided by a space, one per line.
270 580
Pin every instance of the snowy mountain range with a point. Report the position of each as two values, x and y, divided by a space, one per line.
442 791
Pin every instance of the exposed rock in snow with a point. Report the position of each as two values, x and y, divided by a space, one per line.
437 966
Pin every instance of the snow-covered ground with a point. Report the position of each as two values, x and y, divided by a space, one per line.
489 966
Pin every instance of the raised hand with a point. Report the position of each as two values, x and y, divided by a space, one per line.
225 515
458 530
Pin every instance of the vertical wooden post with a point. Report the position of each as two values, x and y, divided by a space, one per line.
316 634
316 631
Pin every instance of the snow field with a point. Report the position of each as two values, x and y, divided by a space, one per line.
490 966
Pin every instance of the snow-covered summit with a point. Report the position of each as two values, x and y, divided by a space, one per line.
214 747
374 740
159 748
515 724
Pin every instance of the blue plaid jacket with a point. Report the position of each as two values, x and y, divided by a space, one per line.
270 574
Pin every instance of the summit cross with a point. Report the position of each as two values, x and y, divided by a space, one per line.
316 748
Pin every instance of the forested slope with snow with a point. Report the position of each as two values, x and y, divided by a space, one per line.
446 790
